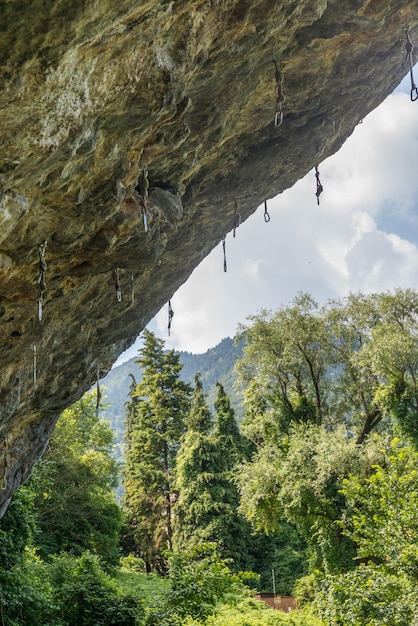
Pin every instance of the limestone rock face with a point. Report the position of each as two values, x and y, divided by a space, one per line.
116 110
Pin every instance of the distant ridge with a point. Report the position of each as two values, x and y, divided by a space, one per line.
215 365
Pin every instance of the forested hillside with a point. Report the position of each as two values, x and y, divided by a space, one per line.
215 365
319 484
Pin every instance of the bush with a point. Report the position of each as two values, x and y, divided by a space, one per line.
85 595
369 596
251 613
199 580
132 563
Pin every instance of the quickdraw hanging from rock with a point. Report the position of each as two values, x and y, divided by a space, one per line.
98 393
3 481
132 289
237 217
144 219
409 47
41 280
117 285
224 252
170 316
144 190
319 187
278 116
34 364
266 213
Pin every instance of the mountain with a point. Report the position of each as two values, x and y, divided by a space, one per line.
215 365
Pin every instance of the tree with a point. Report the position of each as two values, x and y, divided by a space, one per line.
156 414
75 505
207 506
381 519
351 362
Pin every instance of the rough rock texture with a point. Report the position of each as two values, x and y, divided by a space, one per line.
112 108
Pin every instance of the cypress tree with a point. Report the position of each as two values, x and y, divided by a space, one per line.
156 414
207 507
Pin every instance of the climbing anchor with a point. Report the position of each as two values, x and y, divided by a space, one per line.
145 220
170 316
34 364
98 393
132 289
319 187
3 481
409 47
41 280
224 252
278 116
117 285
266 213
237 217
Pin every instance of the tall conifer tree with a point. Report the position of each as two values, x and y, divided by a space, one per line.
207 508
156 414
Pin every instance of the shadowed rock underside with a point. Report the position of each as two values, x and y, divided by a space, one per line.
115 110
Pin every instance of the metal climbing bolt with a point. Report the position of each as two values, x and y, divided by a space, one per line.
41 280
409 47
132 289
278 116
98 393
34 364
3 481
237 217
117 286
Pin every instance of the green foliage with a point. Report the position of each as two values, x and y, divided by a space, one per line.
75 505
370 596
199 579
85 595
17 527
253 613
282 550
301 482
154 426
24 591
216 364
207 505
383 511
353 362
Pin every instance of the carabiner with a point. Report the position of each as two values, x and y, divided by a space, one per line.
278 118
266 213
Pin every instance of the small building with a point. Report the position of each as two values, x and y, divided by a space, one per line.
280 603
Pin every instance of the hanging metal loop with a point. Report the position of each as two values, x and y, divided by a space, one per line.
41 280
117 285
132 289
409 47
34 364
224 252
3 481
319 187
98 393
278 116
237 217
266 213
170 316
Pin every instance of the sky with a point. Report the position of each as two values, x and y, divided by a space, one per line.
363 237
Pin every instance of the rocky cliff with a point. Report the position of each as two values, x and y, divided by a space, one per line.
133 135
